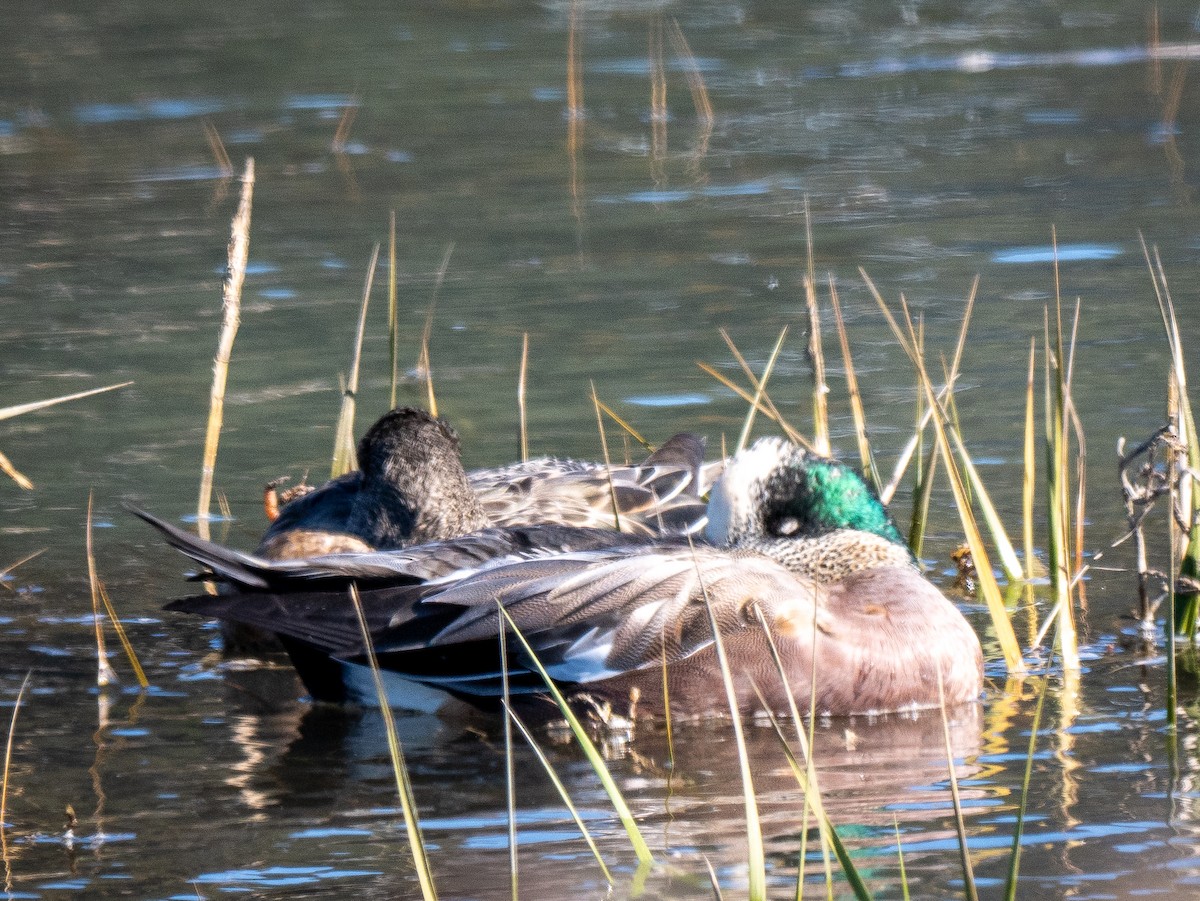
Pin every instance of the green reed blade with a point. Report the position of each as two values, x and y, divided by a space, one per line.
1014 863
562 790
756 860
964 852
641 849
900 857
408 801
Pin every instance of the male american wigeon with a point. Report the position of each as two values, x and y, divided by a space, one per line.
799 538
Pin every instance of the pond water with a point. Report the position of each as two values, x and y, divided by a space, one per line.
930 142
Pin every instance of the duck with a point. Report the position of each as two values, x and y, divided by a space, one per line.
410 488
796 546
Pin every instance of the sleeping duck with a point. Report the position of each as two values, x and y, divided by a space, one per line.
798 538
408 490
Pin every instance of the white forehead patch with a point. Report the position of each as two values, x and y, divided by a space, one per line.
733 504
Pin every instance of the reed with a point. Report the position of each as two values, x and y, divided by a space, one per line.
640 848
408 802
612 489
561 789
523 436
900 859
6 465
510 775
13 566
344 459
425 363
625 426
866 458
4 783
695 80
1014 863
756 861
231 305
816 356
1029 483
393 311
987 585
105 673
971 891
1183 426
766 405
760 392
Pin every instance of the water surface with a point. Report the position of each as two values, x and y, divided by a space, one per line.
930 143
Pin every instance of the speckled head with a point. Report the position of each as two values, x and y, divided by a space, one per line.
774 489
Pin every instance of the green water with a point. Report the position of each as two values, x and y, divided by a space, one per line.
930 142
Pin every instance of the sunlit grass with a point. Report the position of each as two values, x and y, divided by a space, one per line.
344 459
231 304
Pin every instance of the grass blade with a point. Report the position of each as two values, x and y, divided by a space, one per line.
408 802
612 489
856 405
21 409
1029 486
964 852
8 749
510 775
231 305
562 791
523 439
393 309
343 443
1014 864
641 849
758 394
756 861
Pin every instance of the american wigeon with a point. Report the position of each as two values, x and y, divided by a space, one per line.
798 538
410 488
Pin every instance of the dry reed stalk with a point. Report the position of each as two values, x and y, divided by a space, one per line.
105 674
231 304
816 354
523 438
21 409
13 473
343 443
625 426
856 404
1029 484
695 80
612 489
575 112
658 100
987 585
761 391
1153 49
217 147
342 134
767 406
425 363
393 310
4 783
12 566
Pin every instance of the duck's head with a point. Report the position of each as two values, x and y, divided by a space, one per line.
774 489
414 488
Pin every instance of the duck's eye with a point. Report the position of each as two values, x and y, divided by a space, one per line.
789 525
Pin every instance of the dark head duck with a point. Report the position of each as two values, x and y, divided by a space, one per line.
410 488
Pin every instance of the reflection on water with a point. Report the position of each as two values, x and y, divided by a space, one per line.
618 180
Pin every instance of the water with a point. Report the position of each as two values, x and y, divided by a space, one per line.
931 142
